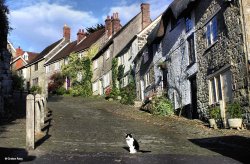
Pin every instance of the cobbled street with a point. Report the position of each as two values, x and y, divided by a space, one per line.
91 130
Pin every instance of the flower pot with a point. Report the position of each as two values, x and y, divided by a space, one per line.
212 123
235 123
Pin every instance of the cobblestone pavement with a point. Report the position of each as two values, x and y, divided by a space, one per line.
92 131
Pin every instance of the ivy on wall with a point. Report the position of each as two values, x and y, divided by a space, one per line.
79 71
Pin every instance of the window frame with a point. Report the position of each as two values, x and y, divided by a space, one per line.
191 50
36 66
212 31
188 22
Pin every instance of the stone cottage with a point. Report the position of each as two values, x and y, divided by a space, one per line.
119 39
221 54
78 47
36 68
142 61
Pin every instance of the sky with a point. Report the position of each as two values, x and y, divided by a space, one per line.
38 23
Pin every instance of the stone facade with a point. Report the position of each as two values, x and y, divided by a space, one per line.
222 64
102 76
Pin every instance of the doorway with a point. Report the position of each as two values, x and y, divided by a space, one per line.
194 111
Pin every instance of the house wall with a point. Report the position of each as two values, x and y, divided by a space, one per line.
40 74
228 50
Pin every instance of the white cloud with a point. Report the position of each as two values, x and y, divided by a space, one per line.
41 24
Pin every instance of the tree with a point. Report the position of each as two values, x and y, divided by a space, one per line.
4 25
79 71
94 28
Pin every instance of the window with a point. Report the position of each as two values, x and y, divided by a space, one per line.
212 31
95 86
191 51
145 56
80 55
57 66
189 23
79 76
220 87
35 81
107 54
147 80
47 68
36 66
95 64
66 61
25 56
106 80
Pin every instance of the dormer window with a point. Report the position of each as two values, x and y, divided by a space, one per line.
25 56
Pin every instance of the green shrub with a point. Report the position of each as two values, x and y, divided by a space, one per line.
36 89
234 110
162 106
18 82
61 91
214 112
128 94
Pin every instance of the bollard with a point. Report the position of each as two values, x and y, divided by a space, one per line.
37 113
30 124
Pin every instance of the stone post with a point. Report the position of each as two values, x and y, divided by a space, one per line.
30 122
37 113
42 109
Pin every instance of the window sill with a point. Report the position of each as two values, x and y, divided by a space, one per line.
212 45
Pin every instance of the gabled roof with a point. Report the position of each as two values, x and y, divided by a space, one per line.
32 55
91 39
74 47
44 52
63 53
112 38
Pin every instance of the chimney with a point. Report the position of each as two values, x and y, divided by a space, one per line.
108 26
80 35
145 9
116 23
66 32
19 52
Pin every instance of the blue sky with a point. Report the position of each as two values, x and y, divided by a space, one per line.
38 23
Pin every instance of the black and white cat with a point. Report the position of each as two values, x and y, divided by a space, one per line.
132 144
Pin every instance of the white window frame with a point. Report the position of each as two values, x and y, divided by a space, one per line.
212 31
212 93
146 80
57 66
95 63
95 86
107 54
47 68
106 80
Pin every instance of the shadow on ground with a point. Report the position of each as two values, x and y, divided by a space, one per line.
14 155
45 130
235 147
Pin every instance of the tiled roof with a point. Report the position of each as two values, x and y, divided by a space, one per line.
111 39
74 47
32 55
63 53
91 39
44 52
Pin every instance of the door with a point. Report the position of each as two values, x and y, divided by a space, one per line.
194 111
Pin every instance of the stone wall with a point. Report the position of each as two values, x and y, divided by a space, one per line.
227 50
5 80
